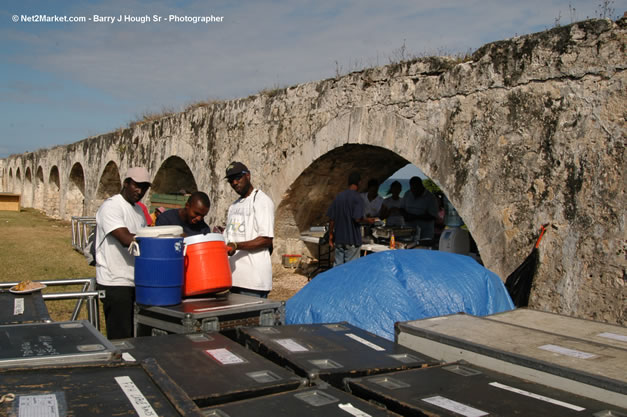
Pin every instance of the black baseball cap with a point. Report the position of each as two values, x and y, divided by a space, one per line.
235 168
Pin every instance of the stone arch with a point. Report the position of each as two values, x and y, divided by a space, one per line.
305 202
27 196
53 193
109 183
75 197
38 198
174 177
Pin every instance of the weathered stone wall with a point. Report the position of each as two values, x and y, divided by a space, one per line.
530 131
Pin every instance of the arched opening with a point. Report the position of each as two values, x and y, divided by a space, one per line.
17 186
52 200
27 196
38 201
75 197
109 183
172 184
306 201
174 177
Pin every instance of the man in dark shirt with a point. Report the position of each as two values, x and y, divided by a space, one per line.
191 217
346 213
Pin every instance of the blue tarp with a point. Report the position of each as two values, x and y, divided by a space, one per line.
375 291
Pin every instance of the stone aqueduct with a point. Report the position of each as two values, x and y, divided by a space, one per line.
528 131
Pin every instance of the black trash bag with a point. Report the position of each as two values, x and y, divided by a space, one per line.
519 282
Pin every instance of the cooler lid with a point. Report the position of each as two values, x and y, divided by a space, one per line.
209 237
160 231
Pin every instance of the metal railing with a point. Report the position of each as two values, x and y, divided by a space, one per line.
81 228
89 293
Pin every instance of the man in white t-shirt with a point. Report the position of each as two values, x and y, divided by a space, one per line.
249 233
117 221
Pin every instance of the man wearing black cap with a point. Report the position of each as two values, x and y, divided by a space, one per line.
249 233
117 221
346 213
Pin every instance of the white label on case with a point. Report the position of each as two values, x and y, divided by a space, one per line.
536 396
454 406
135 396
224 356
568 352
614 336
365 342
18 306
352 410
38 406
291 345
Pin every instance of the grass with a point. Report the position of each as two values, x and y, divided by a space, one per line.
36 247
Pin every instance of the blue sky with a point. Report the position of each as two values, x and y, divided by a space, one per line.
63 82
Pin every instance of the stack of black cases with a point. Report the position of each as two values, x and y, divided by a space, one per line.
316 401
461 389
219 313
23 308
107 389
211 368
585 368
330 352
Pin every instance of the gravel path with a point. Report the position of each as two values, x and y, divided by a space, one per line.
285 283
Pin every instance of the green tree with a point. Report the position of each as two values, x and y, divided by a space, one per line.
431 186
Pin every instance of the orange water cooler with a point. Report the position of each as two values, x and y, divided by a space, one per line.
207 267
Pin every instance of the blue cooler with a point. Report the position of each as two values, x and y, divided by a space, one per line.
158 265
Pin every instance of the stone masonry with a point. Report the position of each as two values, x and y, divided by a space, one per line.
527 131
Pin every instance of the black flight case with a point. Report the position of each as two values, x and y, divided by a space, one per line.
22 308
38 344
113 389
209 367
330 352
464 389
223 313
309 402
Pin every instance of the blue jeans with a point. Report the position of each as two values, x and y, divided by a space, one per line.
250 292
345 253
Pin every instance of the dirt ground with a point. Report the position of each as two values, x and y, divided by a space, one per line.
286 282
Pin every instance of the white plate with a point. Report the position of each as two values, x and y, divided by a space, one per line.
14 291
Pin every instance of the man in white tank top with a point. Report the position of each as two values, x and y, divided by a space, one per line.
249 233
